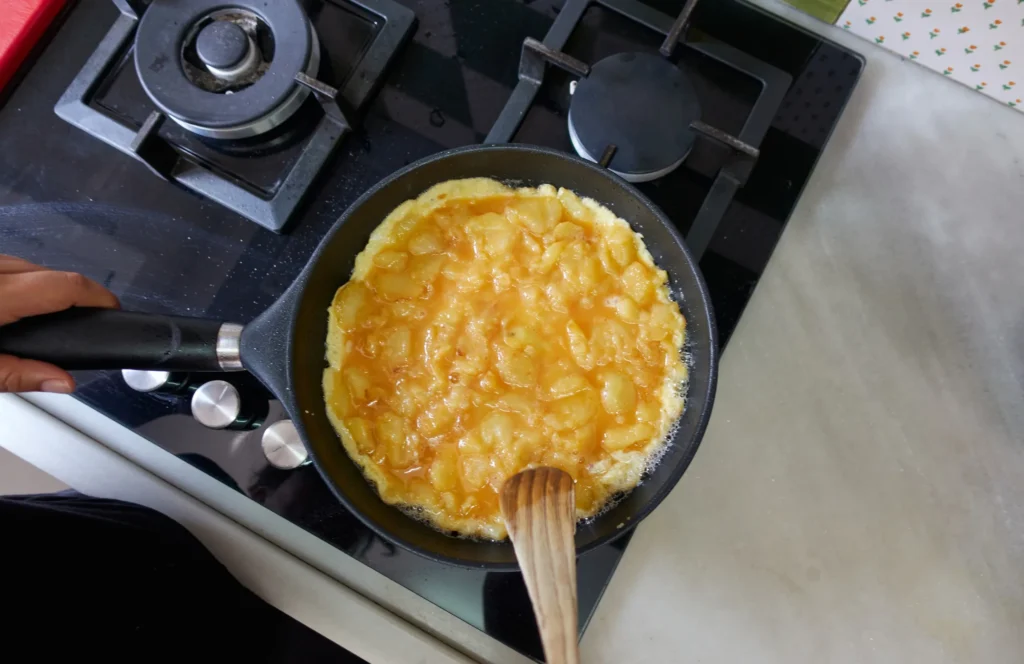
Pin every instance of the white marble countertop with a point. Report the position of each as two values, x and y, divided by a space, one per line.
859 495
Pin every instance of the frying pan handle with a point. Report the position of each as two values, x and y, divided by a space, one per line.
87 338
266 346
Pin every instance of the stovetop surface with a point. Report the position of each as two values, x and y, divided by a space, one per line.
67 200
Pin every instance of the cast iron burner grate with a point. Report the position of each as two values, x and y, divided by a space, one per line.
181 159
743 148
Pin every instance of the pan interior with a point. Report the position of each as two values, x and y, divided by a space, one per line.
332 265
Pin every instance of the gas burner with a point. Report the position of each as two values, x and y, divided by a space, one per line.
234 78
236 69
638 114
638 105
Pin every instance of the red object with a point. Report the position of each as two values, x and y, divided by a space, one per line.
22 23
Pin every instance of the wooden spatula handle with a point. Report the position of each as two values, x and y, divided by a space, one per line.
540 512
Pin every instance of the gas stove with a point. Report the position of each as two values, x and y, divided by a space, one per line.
717 110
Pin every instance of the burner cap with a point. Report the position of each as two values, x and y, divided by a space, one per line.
642 104
222 44
170 32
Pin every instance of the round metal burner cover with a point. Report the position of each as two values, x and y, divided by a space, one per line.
159 41
641 103
222 44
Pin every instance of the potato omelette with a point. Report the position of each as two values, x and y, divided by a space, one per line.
486 330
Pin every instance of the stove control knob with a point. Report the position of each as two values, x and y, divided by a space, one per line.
167 382
283 446
219 405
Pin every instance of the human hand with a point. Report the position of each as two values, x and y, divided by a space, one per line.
30 290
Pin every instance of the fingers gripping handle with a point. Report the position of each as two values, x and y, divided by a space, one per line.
86 338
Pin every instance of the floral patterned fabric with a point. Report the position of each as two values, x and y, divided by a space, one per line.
979 43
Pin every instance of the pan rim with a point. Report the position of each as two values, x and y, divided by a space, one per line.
704 305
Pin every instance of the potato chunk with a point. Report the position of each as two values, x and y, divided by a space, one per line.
395 261
444 471
637 283
538 215
349 302
491 234
620 438
394 287
618 395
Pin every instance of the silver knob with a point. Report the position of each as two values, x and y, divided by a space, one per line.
145 381
167 382
283 446
218 405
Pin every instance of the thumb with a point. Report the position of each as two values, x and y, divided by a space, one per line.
18 375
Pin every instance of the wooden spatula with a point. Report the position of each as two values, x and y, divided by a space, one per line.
539 507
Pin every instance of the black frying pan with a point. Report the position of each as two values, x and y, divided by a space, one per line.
284 347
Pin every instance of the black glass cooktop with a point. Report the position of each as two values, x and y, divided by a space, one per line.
69 201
